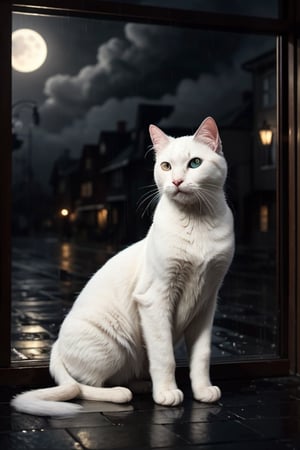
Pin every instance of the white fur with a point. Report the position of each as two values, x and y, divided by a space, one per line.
126 320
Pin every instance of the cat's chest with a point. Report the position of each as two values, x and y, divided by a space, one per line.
194 245
189 268
196 259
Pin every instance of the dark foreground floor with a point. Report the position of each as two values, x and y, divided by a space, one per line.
254 415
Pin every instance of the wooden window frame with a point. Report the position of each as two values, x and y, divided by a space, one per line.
288 163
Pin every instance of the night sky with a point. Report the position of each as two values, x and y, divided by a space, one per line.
97 72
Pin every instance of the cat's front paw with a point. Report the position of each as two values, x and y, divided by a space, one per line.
170 397
207 394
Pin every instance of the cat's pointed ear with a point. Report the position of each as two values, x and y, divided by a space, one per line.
158 137
209 134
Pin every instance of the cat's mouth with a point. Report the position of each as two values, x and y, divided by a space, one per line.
180 192
176 190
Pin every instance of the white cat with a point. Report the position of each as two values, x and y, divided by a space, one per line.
126 320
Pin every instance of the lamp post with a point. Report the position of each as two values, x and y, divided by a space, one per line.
17 125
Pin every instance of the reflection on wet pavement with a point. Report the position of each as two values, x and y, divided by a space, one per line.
252 414
48 274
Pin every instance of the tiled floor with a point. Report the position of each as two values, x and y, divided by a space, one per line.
254 415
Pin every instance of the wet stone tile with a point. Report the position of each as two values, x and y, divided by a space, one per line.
134 417
17 355
276 428
281 409
144 402
236 399
112 437
24 344
42 353
30 329
43 317
20 422
93 419
44 336
41 439
172 415
208 433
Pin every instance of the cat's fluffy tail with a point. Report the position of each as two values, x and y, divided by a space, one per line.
49 401
52 401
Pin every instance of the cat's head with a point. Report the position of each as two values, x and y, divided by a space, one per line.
189 168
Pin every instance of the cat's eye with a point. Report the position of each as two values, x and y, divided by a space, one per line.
165 165
194 163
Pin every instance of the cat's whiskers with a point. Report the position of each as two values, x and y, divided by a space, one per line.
154 199
153 185
150 197
205 202
146 196
209 197
209 185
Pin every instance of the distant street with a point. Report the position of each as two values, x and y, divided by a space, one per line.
48 274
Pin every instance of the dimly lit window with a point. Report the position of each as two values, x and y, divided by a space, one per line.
264 219
86 189
102 218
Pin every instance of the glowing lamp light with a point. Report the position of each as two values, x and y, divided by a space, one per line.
64 212
265 134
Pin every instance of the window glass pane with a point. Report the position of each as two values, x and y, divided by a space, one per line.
83 172
240 7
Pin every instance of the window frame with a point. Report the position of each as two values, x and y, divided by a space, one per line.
288 214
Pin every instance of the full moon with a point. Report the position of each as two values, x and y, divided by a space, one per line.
29 50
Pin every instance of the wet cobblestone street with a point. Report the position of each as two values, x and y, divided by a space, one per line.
46 277
48 274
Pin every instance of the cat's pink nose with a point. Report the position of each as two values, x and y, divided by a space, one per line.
177 182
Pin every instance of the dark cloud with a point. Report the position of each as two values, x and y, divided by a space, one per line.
101 79
147 61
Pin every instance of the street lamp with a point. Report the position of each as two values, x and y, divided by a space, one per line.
265 134
64 212
17 141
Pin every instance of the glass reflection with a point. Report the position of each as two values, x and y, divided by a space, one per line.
80 173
